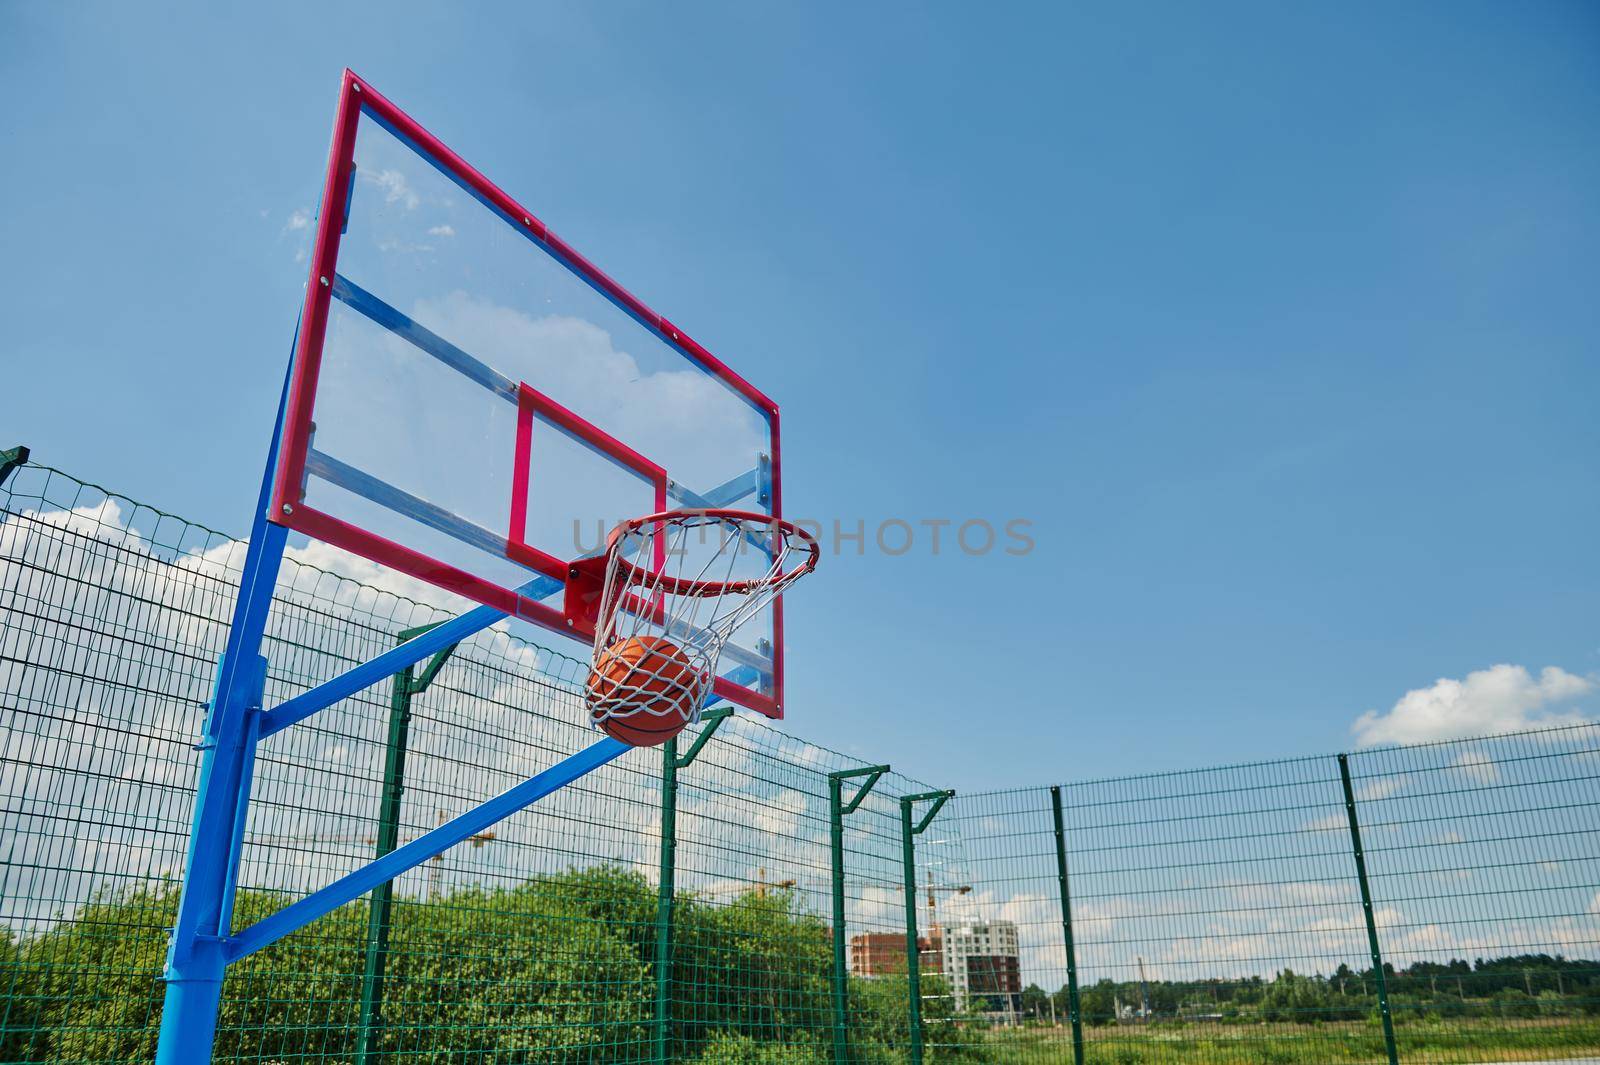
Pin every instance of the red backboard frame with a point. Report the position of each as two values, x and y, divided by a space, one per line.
288 507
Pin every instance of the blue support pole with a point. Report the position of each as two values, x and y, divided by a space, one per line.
195 962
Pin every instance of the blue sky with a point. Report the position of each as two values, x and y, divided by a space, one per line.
1277 321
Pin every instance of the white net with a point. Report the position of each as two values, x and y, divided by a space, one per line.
677 586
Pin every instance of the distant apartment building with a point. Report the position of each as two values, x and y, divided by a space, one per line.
882 953
983 965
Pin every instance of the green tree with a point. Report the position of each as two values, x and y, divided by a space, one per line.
498 974
1035 1003
756 966
1099 1002
731 1048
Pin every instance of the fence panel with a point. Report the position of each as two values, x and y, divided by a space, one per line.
1484 858
1216 917
107 639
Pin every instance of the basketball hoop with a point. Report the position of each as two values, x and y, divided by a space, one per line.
663 620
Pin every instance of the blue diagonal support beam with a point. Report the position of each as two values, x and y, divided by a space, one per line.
376 669
401 325
723 495
418 510
352 886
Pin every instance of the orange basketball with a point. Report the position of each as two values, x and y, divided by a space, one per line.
641 691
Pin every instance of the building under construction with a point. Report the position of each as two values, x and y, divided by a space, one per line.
983 965
884 953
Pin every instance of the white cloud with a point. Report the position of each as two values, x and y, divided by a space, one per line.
403 247
1379 789
298 220
394 186
1330 823
1502 698
874 906
1477 767
442 231
783 820
326 558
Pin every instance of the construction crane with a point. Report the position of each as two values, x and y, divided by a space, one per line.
1144 994
760 888
933 903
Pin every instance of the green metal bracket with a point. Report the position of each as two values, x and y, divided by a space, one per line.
421 683
1366 908
712 720
871 772
431 670
407 635
909 832
938 798
838 809
380 912
10 460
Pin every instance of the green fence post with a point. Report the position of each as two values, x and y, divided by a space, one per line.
837 810
670 764
908 853
10 459
380 912
1366 907
1073 1010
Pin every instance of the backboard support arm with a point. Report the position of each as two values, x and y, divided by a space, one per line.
352 886
359 678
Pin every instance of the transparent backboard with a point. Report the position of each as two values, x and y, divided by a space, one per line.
476 404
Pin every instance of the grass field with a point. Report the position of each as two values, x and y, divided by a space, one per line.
1459 1042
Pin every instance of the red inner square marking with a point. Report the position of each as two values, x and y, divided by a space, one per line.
532 403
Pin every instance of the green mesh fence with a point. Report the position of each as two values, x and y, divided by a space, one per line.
1219 915
536 941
